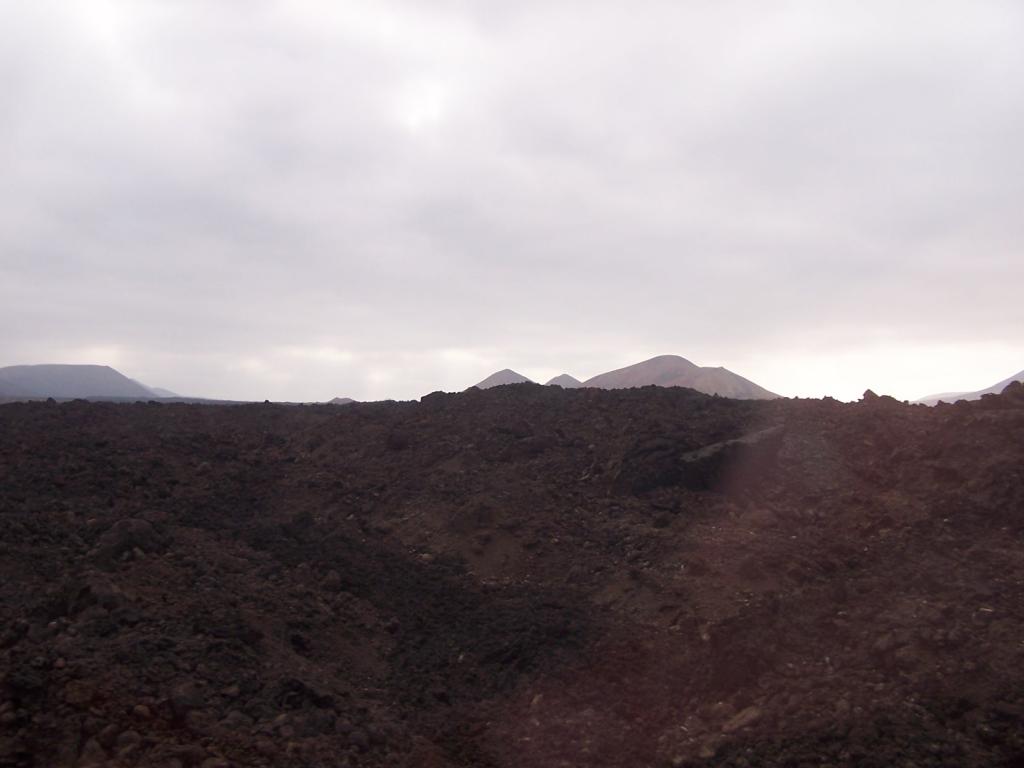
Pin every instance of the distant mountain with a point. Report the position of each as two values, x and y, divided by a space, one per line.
675 371
10 389
68 382
161 392
506 376
662 371
952 397
565 381
340 401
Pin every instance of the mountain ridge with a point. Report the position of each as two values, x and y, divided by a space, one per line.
659 371
68 381
677 371
502 377
952 397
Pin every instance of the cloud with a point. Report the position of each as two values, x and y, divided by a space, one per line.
549 186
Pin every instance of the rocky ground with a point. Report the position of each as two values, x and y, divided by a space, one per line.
525 576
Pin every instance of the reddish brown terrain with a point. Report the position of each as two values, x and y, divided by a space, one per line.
522 576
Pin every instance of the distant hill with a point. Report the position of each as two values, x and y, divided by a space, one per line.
952 397
68 382
11 390
340 401
565 381
661 371
675 371
506 376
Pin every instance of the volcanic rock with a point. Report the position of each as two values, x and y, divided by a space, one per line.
127 535
745 718
526 576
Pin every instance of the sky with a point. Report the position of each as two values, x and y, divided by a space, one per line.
300 200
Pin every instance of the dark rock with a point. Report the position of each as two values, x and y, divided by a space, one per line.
188 754
497 608
733 462
1013 391
237 721
185 697
332 582
126 535
93 591
300 643
108 736
92 754
293 694
743 719
14 633
650 464
127 739
359 739
519 429
23 678
232 626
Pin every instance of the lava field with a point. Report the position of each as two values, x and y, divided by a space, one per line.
517 577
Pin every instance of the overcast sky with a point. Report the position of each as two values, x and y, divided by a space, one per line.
298 200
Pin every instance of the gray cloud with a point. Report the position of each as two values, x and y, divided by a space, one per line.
299 200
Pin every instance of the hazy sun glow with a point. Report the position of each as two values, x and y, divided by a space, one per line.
421 105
